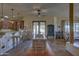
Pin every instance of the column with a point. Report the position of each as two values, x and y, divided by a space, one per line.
71 21
62 28
55 26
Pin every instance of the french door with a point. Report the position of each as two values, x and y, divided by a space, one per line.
39 28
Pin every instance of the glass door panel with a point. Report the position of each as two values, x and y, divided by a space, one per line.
42 28
35 29
38 29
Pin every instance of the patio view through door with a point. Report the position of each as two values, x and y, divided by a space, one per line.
39 29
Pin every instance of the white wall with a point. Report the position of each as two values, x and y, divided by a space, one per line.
28 21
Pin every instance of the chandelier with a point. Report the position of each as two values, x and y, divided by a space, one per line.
12 14
2 17
2 13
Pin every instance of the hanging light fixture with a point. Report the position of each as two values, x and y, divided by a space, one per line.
2 17
12 10
12 13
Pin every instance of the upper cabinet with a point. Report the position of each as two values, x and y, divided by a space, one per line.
12 24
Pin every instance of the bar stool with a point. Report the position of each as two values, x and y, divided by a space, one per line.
16 40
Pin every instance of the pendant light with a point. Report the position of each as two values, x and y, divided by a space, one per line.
12 10
2 10
2 17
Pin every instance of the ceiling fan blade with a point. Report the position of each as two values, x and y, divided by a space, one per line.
44 10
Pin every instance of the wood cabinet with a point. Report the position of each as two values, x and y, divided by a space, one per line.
0 25
39 44
12 24
50 29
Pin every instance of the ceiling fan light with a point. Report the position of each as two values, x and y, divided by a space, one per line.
35 12
44 10
39 15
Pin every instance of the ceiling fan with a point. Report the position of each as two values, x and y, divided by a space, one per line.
38 11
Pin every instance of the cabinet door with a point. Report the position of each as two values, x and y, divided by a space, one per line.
50 30
21 24
15 25
1 25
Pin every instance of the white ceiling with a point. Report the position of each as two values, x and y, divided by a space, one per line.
52 9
